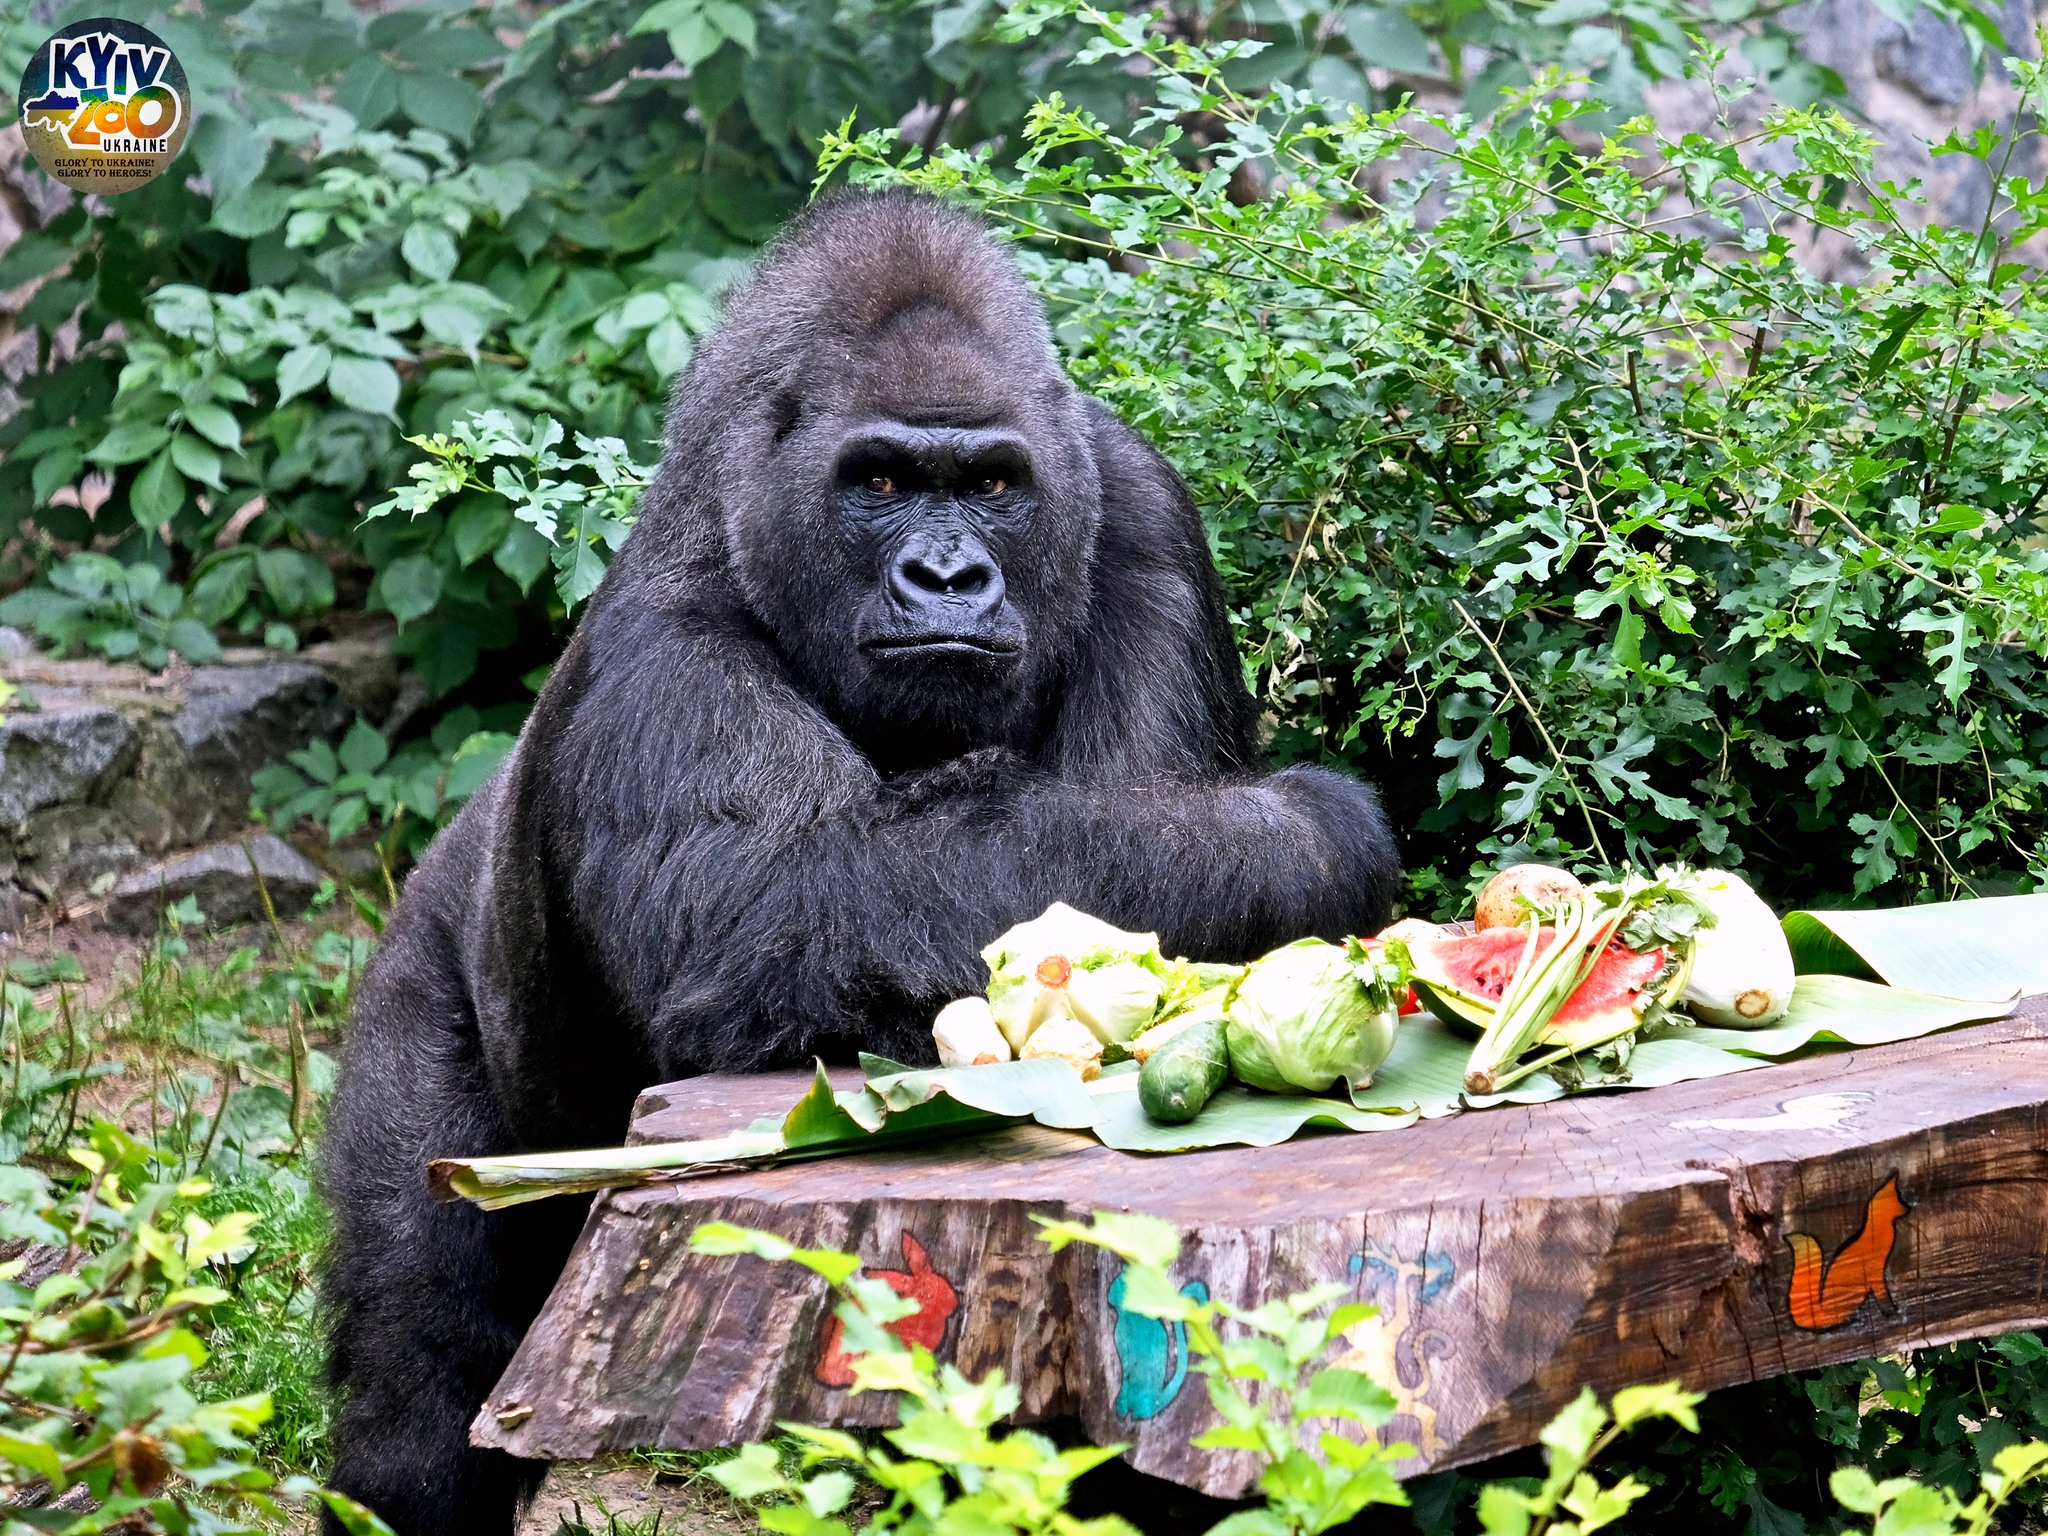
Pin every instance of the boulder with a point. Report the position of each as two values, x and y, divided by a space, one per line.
68 750
238 719
220 880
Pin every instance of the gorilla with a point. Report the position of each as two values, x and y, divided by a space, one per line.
911 640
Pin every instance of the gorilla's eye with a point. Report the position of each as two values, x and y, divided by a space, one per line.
881 485
994 487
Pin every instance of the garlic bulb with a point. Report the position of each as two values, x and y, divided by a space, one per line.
967 1035
1742 966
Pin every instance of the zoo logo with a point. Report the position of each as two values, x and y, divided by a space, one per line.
105 106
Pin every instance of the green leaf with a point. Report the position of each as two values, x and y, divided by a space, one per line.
54 470
429 249
755 1472
128 442
192 640
1137 1238
446 103
524 556
1666 1400
363 750
1989 948
365 384
158 492
295 581
1335 1392
221 588
36 1458
368 92
356 1519
301 369
252 212
1386 37
196 461
1901 327
669 347
216 423
410 587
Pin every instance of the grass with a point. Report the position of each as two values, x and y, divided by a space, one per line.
217 1049
268 1338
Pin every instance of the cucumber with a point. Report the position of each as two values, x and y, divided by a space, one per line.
1178 1078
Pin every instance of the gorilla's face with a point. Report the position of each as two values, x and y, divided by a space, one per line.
920 545
937 508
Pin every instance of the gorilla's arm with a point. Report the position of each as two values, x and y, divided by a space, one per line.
753 893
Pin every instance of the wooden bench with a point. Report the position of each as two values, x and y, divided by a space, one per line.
1721 1231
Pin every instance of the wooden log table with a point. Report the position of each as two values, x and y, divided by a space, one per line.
1720 1231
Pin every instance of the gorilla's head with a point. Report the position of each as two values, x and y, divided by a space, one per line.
885 457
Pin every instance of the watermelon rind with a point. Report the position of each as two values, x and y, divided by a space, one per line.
1466 1014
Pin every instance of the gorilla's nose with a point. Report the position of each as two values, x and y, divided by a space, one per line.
946 583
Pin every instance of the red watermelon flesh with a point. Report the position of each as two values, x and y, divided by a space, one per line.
1461 978
1608 1002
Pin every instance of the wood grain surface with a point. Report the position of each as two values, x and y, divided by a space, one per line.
1719 1231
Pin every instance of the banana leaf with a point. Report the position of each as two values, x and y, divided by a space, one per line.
1233 1117
1983 951
1827 1010
1993 948
896 1104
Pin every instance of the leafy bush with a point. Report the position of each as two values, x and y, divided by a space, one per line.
1555 490
410 792
98 1355
123 612
388 221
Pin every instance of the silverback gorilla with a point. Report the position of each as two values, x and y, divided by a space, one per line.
912 639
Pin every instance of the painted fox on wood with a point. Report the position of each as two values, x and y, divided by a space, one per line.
1827 1293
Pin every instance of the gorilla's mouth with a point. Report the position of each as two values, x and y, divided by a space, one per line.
938 647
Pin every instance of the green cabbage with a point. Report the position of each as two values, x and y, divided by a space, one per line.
1303 1017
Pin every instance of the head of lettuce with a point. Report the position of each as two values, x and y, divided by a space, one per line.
1307 1015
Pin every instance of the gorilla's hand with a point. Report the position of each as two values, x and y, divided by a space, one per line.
989 772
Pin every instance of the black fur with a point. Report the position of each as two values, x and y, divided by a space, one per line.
737 832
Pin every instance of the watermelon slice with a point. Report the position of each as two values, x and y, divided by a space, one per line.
1608 1002
1460 978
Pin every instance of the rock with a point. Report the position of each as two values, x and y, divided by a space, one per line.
70 750
220 880
64 847
1929 58
364 668
13 643
239 719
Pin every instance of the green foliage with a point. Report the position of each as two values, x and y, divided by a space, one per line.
410 792
594 490
126 613
1272 1398
178 1347
1570 1500
1559 480
387 222
98 1354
